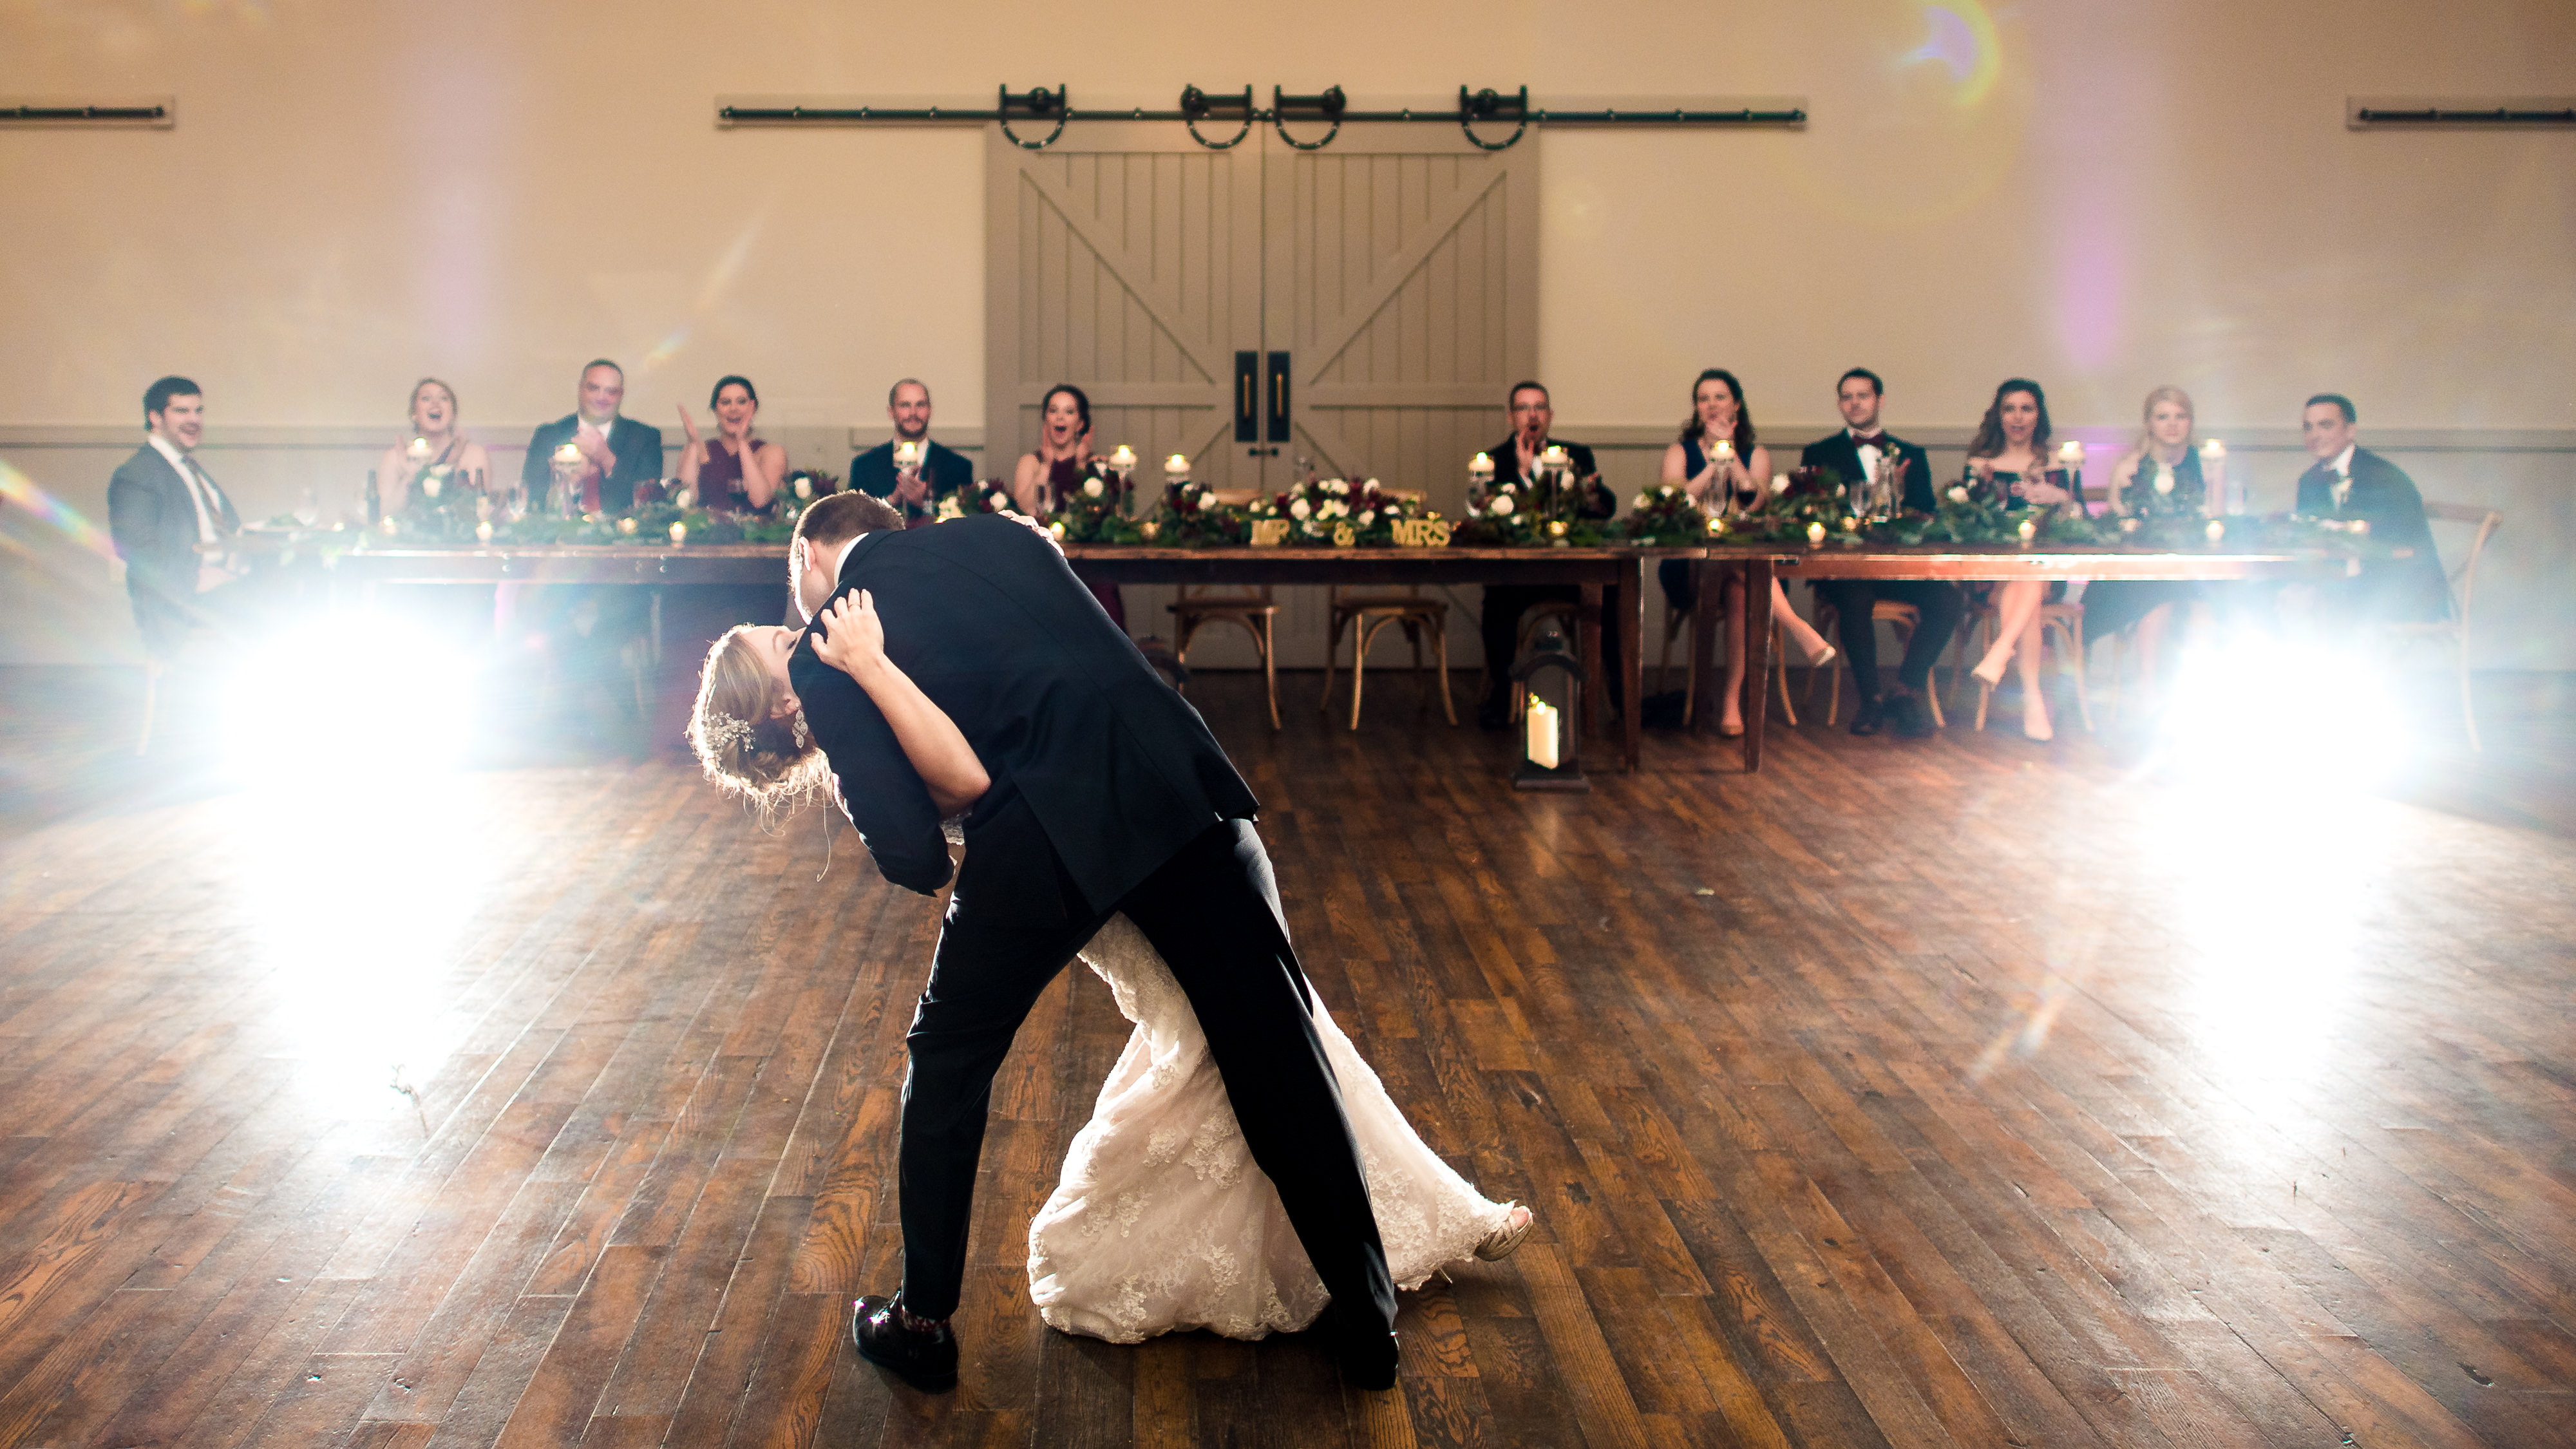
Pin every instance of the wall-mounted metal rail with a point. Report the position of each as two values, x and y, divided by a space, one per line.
1488 109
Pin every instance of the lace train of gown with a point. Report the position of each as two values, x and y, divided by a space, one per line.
1162 1221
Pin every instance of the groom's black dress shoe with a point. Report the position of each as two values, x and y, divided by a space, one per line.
920 1351
1367 1353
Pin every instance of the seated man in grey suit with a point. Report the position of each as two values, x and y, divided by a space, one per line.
914 491
170 521
616 452
2353 484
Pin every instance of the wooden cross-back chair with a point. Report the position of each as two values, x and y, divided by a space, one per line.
2454 631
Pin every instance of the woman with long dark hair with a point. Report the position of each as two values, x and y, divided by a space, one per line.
733 472
1056 468
1725 480
2008 460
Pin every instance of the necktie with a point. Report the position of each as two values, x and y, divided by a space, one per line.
214 496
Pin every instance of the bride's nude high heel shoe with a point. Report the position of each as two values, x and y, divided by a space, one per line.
1506 1240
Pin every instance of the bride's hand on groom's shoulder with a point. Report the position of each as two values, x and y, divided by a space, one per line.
851 637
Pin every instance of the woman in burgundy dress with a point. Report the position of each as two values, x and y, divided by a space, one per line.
735 472
1057 468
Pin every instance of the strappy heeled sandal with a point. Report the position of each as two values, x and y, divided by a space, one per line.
1506 1240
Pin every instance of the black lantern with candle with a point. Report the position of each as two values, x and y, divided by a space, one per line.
1549 681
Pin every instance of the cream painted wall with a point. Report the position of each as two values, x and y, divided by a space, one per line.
2104 196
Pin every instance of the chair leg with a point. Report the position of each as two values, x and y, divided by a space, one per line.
1270 670
1332 647
2468 710
1440 652
1365 635
2070 648
152 704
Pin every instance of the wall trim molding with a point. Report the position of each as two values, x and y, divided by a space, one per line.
496 437
1627 436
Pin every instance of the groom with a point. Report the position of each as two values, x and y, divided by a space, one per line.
1109 795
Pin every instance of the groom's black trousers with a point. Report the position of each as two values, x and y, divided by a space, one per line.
1213 912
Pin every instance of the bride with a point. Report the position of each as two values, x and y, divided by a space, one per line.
1161 1221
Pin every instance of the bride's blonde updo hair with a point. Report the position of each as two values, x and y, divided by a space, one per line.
772 763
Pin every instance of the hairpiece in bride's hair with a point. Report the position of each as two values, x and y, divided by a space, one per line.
725 732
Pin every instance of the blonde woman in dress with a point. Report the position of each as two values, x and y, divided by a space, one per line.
437 449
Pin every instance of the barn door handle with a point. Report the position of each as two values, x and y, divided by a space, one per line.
1279 397
1247 384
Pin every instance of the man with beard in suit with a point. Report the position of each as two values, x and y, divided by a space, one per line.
1854 455
1515 459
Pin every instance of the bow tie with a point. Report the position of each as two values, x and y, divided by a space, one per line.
1869 440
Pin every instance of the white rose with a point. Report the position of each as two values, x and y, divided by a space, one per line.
1511 488
992 501
1958 493
1299 509
1779 482
1368 518
1338 509
1370 485
1337 487
1503 504
1667 491
1645 501
1090 487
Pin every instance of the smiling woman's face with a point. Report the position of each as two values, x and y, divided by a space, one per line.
2170 424
433 410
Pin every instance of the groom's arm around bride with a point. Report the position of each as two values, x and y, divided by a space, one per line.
1108 795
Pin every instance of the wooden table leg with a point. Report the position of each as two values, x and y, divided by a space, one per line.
1757 658
1587 636
1708 611
1632 658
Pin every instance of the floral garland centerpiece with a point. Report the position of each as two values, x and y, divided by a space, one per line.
1096 509
1188 514
1337 513
984 495
1665 515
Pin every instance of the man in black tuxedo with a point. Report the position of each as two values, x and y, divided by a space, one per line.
1515 458
2349 482
1853 455
170 520
915 491
1108 795
616 452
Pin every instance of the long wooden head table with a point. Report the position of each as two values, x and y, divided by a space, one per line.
1757 566
1589 570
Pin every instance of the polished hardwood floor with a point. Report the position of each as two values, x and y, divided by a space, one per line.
1962 1092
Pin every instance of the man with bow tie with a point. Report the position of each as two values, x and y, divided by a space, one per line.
2350 483
1855 455
171 522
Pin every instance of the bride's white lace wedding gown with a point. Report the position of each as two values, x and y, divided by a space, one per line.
1162 1221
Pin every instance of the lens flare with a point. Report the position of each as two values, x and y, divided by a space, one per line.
19 489
1961 38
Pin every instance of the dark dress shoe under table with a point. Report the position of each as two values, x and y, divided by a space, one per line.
921 1352
1873 713
1913 716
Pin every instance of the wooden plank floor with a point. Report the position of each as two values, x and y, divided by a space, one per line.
1962 1093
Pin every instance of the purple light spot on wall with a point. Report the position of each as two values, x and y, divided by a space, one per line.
1951 42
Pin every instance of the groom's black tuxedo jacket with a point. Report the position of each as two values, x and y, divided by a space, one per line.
1096 763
